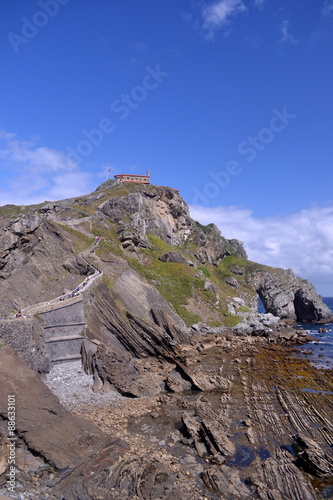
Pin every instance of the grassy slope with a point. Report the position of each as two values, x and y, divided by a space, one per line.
181 284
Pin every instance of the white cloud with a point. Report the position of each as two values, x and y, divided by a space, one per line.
328 8
302 242
259 3
286 37
324 29
219 13
31 174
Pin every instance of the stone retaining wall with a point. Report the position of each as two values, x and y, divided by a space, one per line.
22 336
62 315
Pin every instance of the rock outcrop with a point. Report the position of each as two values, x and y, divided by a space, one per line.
163 213
158 211
290 297
213 247
38 261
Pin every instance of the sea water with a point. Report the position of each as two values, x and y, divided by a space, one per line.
320 351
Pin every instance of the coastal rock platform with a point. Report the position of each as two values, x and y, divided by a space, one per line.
261 427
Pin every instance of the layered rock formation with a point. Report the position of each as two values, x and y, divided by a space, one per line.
44 241
172 321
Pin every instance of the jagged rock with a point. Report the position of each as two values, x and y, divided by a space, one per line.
261 325
227 482
231 281
133 477
237 270
176 383
127 339
311 456
209 287
278 478
206 382
215 247
158 211
208 430
198 327
173 257
132 334
32 259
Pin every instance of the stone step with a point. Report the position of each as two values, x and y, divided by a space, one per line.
63 359
67 324
64 338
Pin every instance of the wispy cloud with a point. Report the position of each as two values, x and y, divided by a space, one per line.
31 173
218 14
327 9
259 3
302 241
286 36
324 29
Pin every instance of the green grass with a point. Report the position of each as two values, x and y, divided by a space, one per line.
15 210
205 229
158 246
204 270
109 242
177 282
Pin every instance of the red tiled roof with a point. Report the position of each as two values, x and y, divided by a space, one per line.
131 175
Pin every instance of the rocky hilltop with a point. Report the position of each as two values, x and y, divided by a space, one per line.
169 318
146 229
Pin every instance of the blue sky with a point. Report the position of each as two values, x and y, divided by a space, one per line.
228 100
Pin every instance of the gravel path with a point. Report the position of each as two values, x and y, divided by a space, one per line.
74 387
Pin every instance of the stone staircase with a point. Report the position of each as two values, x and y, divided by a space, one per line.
63 331
62 318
